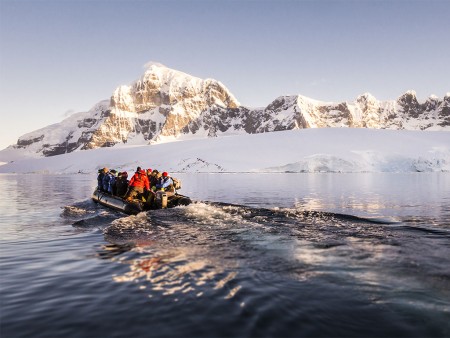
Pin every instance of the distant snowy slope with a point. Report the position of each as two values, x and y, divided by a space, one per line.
308 150
70 134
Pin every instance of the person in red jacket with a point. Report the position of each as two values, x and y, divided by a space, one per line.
138 185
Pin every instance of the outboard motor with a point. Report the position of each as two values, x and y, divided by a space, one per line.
161 199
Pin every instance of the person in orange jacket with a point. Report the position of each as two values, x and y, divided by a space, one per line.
139 184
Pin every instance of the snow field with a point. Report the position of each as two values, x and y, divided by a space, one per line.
305 150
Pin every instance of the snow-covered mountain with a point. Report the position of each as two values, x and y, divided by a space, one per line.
166 105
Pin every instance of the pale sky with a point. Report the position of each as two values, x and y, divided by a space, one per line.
60 57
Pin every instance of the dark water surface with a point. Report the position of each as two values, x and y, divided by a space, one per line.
266 255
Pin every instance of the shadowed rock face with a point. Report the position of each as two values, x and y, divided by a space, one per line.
27 142
444 112
167 103
409 105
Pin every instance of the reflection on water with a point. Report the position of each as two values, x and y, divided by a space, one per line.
171 273
168 271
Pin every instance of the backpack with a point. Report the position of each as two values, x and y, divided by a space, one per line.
176 183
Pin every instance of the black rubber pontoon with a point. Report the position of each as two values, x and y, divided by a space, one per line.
134 207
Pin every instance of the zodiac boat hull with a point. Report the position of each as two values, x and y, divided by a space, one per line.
134 207
117 203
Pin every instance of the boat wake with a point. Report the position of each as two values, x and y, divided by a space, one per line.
208 214
87 214
208 219
216 246
211 218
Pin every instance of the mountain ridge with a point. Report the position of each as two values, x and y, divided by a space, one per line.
166 105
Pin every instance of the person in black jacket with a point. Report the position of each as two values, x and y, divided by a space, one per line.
153 179
122 184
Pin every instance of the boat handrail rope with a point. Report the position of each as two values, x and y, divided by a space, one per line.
101 196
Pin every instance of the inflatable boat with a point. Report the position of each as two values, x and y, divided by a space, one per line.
133 207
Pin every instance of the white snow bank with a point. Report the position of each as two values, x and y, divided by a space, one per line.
304 150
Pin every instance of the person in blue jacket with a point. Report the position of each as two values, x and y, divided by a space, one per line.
165 183
112 182
101 175
108 181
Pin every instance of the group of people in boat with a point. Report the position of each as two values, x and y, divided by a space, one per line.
144 185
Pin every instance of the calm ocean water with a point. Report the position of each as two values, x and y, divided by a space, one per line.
265 255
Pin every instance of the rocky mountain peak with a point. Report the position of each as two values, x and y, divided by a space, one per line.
367 102
408 97
366 97
431 103
163 86
409 104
